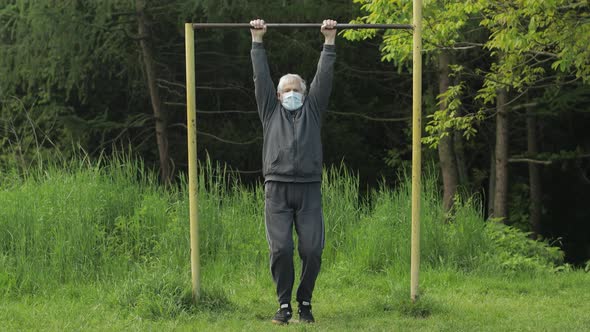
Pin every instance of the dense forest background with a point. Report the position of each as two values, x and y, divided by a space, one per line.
506 95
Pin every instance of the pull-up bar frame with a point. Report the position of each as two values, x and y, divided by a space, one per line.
339 26
416 131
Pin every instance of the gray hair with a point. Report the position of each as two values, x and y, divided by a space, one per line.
291 78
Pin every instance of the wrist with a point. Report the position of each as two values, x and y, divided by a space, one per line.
256 40
329 41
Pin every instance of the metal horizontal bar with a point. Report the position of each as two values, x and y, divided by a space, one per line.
302 25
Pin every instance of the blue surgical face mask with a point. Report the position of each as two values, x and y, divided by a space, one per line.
292 100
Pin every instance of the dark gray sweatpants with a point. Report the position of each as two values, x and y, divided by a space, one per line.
289 204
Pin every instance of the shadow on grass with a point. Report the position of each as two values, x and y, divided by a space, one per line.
214 300
423 307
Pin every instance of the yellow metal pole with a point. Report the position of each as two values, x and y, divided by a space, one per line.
191 124
416 147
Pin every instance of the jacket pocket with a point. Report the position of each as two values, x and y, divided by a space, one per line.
311 164
283 163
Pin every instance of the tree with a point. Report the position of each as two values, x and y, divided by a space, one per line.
444 25
534 172
446 151
160 115
61 60
541 43
59 55
501 155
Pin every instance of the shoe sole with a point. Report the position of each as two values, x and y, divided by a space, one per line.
279 322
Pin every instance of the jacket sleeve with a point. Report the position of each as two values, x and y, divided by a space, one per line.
264 88
321 86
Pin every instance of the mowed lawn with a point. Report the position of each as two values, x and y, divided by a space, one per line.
451 301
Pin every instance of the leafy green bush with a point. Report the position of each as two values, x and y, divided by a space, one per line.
514 251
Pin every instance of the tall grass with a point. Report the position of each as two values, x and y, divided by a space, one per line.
80 222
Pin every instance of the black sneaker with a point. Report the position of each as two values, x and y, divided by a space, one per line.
283 314
305 315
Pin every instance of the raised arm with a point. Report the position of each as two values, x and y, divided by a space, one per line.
321 86
264 88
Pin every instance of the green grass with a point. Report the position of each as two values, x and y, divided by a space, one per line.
451 301
100 246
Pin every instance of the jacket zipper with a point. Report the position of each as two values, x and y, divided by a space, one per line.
296 148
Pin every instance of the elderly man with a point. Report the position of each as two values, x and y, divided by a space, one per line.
292 168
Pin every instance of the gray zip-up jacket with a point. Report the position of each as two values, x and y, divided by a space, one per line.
292 148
